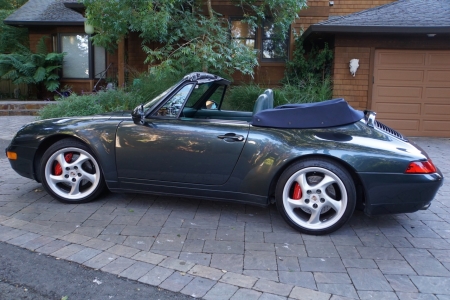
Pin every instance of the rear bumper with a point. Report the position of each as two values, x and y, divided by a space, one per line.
399 193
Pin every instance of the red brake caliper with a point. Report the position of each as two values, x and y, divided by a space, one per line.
57 169
297 194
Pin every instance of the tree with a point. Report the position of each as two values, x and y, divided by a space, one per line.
11 37
186 35
32 68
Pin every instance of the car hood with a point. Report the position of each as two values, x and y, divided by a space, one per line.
112 115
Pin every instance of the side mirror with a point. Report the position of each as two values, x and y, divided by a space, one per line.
139 114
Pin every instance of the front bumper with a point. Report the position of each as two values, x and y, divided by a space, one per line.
23 165
399 193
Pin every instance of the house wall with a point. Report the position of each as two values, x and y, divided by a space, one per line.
358 90
267 73
345 7
77 85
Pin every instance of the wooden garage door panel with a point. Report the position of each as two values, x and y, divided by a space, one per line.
399 58
438 76
401 124
437 110
411 91
437 93
398 108
405 76
436 125
439 60
402 91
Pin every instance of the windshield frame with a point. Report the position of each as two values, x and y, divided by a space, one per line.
148 107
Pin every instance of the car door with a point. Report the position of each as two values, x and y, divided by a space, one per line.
170 149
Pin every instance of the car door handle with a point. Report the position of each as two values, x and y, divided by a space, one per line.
229 137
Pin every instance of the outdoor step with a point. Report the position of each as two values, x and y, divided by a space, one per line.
22 108
27 112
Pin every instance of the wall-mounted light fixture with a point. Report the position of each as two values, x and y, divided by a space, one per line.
88 28
331 3
354 65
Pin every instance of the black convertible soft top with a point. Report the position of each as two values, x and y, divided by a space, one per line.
328 113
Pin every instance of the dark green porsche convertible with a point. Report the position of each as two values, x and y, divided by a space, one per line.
317 162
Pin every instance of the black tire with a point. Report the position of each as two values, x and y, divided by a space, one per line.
77 179
328 196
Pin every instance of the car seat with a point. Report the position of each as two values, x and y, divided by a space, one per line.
261 103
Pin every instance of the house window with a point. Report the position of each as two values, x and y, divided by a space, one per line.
273 46
242 33
82 59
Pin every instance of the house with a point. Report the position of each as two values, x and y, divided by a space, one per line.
403 48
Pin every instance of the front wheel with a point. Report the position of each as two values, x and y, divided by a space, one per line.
70 172
316 196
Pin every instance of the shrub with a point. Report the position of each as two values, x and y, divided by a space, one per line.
148 86
32 68
310 64
85 105
243 97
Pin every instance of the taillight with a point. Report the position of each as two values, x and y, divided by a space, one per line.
421 167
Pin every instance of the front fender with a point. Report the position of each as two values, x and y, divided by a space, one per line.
99 134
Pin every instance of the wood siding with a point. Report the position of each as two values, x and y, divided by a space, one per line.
345 7
358 90
268 73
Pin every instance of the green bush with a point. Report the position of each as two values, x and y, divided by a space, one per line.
310 63
148 86
243 97
33 68
85 105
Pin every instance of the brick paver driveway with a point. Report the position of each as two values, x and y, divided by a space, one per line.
218 250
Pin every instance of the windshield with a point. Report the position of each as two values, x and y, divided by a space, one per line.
149 105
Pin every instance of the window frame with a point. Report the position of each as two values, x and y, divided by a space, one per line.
261 43
91 55
259 40
153 113
237 18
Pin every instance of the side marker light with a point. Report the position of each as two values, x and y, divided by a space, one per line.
11 155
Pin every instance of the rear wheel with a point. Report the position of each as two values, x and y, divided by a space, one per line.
70 172
316 196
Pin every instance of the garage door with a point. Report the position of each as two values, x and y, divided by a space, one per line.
411 91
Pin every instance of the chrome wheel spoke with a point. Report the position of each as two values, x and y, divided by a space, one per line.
314 218
297 203
81 159
303 182
61 160
75 190
324 183
334 204
57 179
89 177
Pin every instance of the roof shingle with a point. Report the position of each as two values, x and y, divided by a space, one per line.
48 12
402 16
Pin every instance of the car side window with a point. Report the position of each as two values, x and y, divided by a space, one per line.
214 100
197 93
173 106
